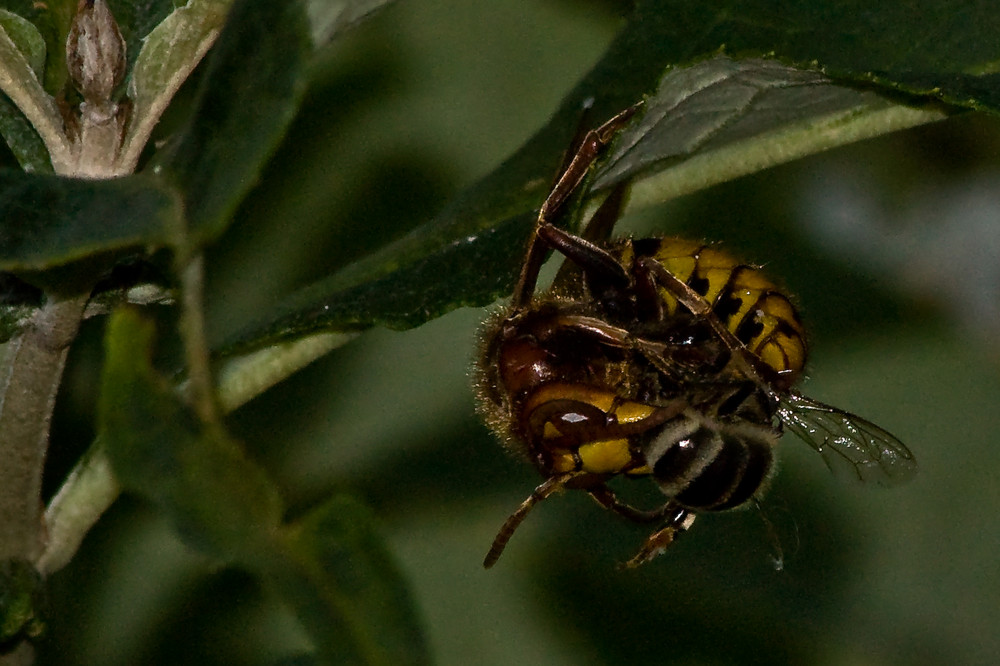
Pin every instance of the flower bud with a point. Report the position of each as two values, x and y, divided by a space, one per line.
95 51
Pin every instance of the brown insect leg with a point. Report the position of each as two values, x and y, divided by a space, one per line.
591 258
594 141
515 519
660 540
607 498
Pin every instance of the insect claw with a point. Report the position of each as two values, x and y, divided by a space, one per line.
658 542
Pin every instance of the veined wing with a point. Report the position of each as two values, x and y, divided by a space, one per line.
852 447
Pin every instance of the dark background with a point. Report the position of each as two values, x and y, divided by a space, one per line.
891 246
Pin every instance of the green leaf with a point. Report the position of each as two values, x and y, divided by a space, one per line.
928 47
169 54
17 132
220 502
51 19
20 84
137 19
722 118
21 601
330 17
52 221
469 254
332 566
22 139
254 80
337 575
26 37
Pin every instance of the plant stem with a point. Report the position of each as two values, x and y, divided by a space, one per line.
91 487
31 374
82 499
201 388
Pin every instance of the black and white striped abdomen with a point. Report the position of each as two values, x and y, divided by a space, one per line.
705 464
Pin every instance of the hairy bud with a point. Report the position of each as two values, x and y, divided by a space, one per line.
95 51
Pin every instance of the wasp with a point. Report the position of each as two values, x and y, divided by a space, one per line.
655 357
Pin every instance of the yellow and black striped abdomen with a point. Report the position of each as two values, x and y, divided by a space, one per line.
752 307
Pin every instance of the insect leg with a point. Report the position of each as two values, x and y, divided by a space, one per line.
617 337
592 145
594 141
549 486
597 329
660 540
598 229
648 301
591 258
607 498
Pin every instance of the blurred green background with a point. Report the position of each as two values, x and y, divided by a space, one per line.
892 247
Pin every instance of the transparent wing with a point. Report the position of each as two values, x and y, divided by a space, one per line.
853 448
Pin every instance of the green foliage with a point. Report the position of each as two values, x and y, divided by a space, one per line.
252 87
397 286
330 566
730 88
335 572
21 601
26 38
220 502
100 218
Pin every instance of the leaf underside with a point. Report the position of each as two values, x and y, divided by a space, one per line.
830 63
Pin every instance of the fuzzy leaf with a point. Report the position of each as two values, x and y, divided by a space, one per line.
220 502
26 37
469 253
22 139
339 578
254 80
330 17
52 221
21 601
168 55
332 566
51 19
19 81
722 118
